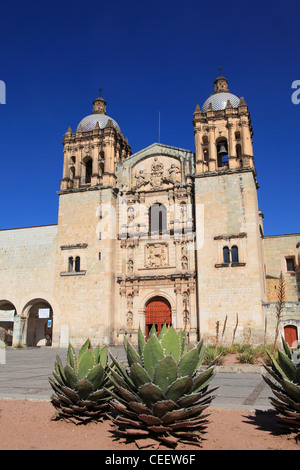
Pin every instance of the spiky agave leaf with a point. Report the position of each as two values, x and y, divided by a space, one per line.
81 385
161 393
286 387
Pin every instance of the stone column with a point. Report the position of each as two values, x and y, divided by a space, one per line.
18 330
95 169
212 162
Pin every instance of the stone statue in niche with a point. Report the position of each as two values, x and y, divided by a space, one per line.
130 214
130 266
184 263
157 255
129 320
184 258
186 313
130 302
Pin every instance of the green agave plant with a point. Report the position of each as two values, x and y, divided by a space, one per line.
161 393
286 388
81 386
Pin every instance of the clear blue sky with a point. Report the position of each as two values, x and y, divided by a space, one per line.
148 56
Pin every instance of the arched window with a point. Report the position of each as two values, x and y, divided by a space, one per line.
77 264
234 254
226 259
70 264
72 172
157 219
88 171
222 152
205 155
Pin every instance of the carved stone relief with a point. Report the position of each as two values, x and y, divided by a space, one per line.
157 174
184 257
186 310
157 255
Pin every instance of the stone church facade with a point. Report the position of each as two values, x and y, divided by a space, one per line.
165 235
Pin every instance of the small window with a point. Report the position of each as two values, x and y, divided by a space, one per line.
157 219
77 264
70 264
100 256
234 254
226 259
290 264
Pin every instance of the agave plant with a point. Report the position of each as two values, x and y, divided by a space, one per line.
81 386
161 393
286 388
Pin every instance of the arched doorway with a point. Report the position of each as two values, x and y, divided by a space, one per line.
7 316
158 313
291 335
39 315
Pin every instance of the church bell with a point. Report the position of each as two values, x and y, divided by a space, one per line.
222 150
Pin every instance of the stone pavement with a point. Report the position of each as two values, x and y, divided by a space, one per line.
24 375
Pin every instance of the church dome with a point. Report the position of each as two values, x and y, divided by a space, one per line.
221 95
98 116
219 101
88 123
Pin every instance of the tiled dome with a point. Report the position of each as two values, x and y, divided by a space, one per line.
88 123
219 101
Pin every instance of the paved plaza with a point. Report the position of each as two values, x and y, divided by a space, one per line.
24 375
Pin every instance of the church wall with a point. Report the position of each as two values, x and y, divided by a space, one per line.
151 265
277 249
229 294
86 297
27 266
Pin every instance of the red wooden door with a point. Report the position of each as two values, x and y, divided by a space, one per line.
158 312
290 335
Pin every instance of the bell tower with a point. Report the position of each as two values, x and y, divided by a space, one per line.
86 241
230 270
223 131
92 152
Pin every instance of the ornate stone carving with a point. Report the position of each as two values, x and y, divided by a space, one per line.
184 257
130 266
157 255
157 171
130 214
129 319
186 310
140 179
157 175
174 173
